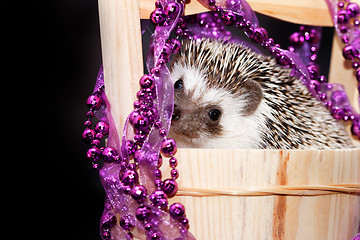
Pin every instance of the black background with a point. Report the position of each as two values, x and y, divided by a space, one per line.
74 57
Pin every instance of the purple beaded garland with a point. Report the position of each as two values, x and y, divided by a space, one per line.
145 116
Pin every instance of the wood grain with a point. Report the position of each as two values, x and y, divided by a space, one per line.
122 56
236 217
269 217
289 10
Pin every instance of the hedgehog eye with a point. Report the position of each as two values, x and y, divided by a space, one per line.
179 84
214 114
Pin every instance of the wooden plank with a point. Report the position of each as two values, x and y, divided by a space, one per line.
342 72
316 11
268 217
122 56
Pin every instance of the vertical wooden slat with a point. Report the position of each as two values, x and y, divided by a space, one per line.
342 72
122 56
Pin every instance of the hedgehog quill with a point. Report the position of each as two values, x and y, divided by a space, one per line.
228 96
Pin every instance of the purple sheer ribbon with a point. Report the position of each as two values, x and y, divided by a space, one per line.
352 33
119 203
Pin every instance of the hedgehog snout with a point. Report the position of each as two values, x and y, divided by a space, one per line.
177 113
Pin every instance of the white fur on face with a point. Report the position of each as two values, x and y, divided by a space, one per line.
238 131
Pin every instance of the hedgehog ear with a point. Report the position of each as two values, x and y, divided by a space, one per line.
253 94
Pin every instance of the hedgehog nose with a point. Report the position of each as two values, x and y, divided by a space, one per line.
177 113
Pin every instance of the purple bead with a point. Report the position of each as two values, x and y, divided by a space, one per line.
147 81
343 17
93 102
143 213
168 147
175 45
159 198
355 65
353 9
88 135
155 71
129 177
314 36
109 221
93 153
283 59
358 75
170 187
259 35
173 162
140 122
314 71
355 129
131 147
166 51
138 193
158 16
350 52
109 154
297 39
125 223
157 173
172 9
184 221
228 18
345 39
102 127
338 113
174 173
177 210
156 236
159 162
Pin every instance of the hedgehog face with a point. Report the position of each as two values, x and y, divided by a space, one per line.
203 114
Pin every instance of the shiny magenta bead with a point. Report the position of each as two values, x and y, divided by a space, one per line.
353 9
228 18
143 213
93 102
109 154
174 173
297 39
129 177
158 16
314 71
168 147
139 122
109 221
350 52
358 75
138 193
159 198
147 81
126 224
93 153
177 210
170 187
355 129
102 127
343 17
172 9
259 35
88 135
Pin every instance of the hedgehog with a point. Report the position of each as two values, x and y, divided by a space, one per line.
228 96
